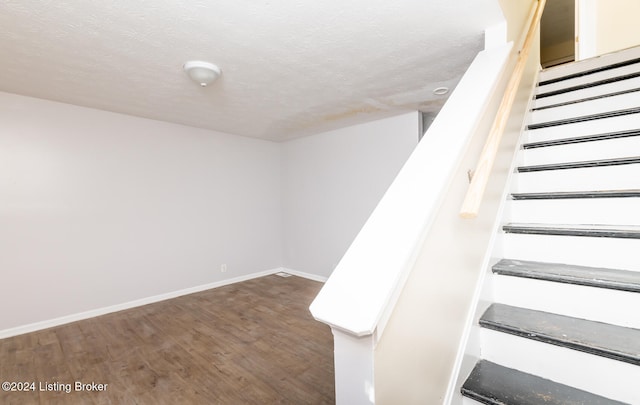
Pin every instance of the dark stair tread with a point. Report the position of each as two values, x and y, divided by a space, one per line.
580 165
588 85
598 338
584 118
623 280
582 100
597 231
493 384
561 195
591 71
582 139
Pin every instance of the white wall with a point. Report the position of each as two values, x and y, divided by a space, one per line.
98 208
617 25
331 184
606 26
101 210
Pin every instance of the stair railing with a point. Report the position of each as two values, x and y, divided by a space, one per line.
480 177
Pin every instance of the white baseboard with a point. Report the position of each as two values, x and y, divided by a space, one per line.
32 327
302 274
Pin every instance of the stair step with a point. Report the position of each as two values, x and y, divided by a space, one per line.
561 195
601 178
580 165
597 338
605 125
587 108
596 231
493 384
606 90
582 139
613 148
614 279
585 118
590 71
585 99
576 300
586 85
588 64
612 212
602 376
595 252
581 83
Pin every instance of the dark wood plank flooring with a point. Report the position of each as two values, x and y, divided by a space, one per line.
253 342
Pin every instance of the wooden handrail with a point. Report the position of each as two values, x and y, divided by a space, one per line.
473 198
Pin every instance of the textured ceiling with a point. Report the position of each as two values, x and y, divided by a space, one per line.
289 68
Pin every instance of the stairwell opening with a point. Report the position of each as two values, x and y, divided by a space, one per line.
557 33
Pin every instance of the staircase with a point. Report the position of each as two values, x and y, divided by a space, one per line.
563 326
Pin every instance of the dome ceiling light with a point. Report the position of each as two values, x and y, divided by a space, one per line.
441 91
203 73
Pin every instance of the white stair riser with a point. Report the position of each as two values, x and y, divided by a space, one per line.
576 152
596 304
595 91
579 250
587 64
592 178
620 102
601 126
594 77
609 378
602 211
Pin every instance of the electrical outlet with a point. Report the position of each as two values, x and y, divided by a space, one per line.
223 268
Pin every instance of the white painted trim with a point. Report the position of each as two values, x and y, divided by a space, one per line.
586 29
353 358
303 274
496 35
32 327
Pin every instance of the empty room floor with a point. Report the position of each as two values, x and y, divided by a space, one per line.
253 342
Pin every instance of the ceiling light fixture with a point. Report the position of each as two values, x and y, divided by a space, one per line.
439 91
203 73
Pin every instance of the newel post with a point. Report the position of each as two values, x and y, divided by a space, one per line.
353 357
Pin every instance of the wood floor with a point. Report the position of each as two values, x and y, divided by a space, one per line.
253 342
